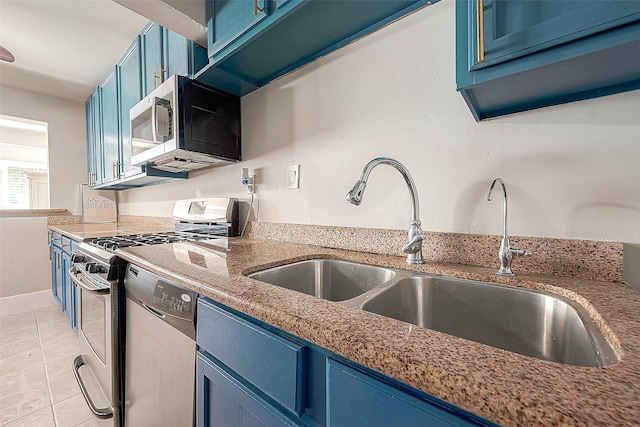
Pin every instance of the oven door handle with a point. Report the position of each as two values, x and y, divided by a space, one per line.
76 282
102 413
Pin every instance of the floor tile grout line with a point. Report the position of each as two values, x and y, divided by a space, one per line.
40 331
46 377
46 372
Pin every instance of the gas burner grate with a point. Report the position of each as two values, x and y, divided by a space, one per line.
146 239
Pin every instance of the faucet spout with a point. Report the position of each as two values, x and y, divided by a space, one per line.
355 195
506 252
413 248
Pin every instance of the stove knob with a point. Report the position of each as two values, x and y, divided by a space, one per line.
93 267
76 258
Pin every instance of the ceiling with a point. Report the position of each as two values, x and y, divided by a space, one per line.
64 48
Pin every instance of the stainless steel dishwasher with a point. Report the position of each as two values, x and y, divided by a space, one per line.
160 351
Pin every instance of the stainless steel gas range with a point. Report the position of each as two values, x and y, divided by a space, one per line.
99 273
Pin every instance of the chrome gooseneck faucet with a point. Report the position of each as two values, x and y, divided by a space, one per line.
506 252
413 248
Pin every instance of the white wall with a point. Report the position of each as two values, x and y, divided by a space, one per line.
572 171
24 252
67 141
24 259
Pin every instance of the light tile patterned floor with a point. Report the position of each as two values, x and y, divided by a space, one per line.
37 386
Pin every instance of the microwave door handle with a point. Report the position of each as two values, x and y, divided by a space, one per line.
154 119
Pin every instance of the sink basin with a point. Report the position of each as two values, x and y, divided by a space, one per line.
330 279
528 322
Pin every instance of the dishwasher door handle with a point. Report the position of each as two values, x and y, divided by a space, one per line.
152 310
102 413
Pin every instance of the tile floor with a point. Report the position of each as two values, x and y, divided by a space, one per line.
37 385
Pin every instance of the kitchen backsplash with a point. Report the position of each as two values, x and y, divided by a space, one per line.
64 219
586 259
147 220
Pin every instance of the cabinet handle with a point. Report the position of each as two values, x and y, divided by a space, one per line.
159 76
115 170
480 27
58 258
257 9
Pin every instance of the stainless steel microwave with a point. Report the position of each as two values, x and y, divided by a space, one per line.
184 125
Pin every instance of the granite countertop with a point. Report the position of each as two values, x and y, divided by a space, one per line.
83 231
504 387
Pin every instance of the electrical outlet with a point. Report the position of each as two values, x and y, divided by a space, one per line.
248 180
293 176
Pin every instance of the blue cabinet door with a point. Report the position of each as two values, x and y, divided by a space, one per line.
152 71
130 92
516 28
181 55
223 400
90 139
110 128
356 399
54 276
68 289
94 138
60 291
537 54
231 19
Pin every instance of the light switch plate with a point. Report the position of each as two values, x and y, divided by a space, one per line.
293 176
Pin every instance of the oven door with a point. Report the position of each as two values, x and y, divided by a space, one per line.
94 368
153 123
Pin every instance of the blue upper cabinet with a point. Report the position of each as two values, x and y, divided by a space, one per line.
94 137
165 53
229 20
253 42
153 56
517 28
182 56
514 55
152 67
110 128
130 86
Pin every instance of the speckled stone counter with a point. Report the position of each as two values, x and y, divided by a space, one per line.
79 231
503 387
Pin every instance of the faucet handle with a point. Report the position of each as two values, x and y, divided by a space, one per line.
520 252
414 245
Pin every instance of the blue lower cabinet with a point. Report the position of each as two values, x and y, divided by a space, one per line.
222 400
250 374
271 363
62 288
357 399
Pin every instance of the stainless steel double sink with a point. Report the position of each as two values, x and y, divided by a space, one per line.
532 323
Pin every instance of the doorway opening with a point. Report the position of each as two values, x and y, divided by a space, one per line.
24 169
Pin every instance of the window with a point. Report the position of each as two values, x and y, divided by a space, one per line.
24 175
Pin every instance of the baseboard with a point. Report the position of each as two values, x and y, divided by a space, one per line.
25 302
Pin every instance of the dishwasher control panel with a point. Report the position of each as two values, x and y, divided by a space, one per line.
172 299
168 301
